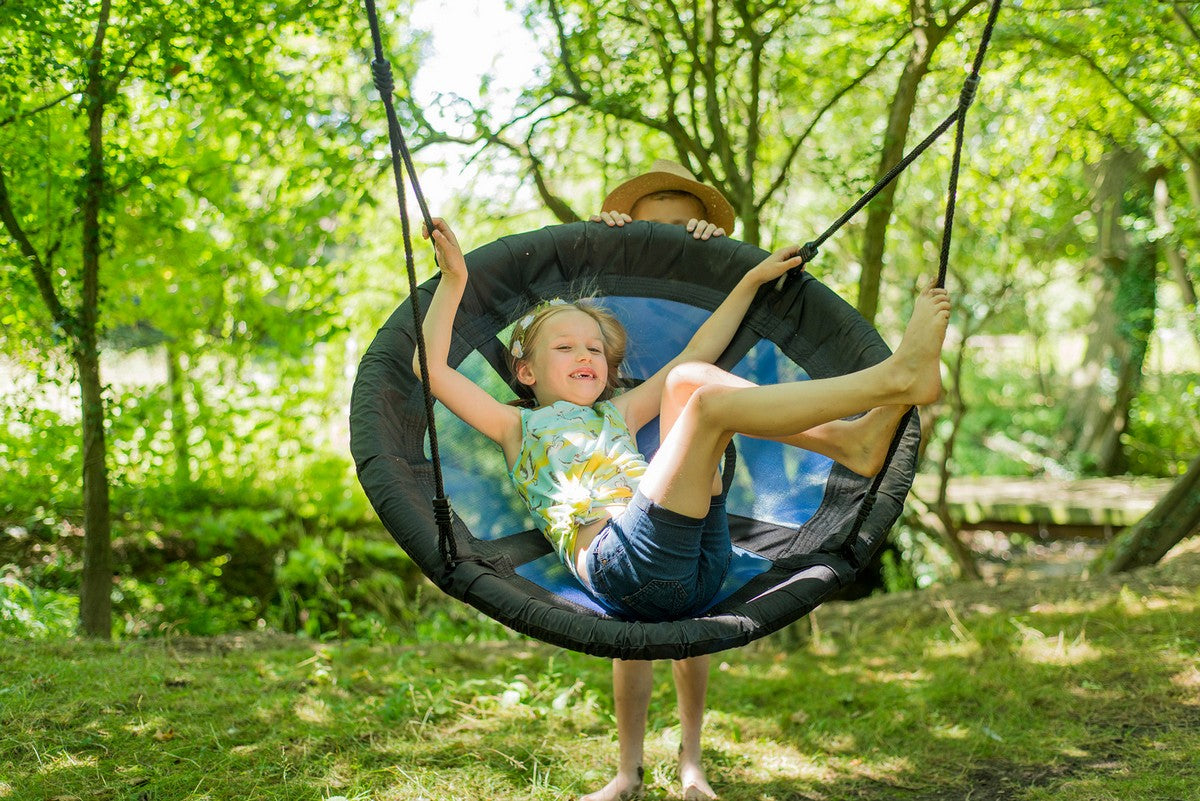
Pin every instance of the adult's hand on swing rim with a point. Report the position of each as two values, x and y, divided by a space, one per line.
611 218
703 229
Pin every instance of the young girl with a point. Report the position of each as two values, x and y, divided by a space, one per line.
650 540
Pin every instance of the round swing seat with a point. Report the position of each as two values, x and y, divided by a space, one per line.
802 525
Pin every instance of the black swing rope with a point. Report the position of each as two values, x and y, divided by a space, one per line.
381 69
965 98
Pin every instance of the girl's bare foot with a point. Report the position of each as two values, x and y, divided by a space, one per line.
622 788
918 360
868 439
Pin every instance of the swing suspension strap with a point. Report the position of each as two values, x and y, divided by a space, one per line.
381 69
966 97
809 250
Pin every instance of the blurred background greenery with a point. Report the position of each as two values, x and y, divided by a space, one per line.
200 237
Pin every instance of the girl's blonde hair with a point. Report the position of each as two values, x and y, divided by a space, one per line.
525 333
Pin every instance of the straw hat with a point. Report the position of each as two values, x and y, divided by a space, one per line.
667 176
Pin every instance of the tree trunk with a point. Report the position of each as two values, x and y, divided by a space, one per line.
1107 382
926 38
1162 219
1174 518
95 597
958 411
95 601
879 213
1191 177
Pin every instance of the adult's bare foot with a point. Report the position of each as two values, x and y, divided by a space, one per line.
918 360
694 782
623 787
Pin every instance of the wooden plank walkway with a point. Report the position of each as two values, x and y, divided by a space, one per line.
1046 507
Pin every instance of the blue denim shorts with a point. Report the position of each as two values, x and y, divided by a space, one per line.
652 564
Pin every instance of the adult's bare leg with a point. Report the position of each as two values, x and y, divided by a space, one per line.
691 690
633 681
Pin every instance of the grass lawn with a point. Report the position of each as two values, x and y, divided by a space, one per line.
1038 690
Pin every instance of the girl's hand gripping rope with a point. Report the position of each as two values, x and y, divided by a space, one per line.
449 254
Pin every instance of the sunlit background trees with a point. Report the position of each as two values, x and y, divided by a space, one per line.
197 244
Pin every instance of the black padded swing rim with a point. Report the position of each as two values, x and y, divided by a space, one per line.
859 541
806 320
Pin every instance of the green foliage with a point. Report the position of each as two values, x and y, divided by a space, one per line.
1015 423
1164 432
185 598
33 612
922 561
28 434
242 244
898 575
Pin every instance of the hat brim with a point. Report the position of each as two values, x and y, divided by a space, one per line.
622 199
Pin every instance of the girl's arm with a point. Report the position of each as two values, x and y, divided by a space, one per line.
641 404
497 421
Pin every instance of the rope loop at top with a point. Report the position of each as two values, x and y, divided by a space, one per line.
381 69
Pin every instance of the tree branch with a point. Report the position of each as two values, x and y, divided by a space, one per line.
721 141
797 143
957 16
1185 20
39 268
1139 106
564 53
128 65
754 114
554 202
20 115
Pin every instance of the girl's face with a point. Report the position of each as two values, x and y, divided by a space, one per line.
566 361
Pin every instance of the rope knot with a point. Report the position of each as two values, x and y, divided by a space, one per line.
381 68
808 252
967 96
442 512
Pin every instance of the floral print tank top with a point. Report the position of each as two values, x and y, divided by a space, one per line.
574 462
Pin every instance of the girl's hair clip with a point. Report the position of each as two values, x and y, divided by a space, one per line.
517 349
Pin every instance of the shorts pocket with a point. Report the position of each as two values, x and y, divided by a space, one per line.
659 600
